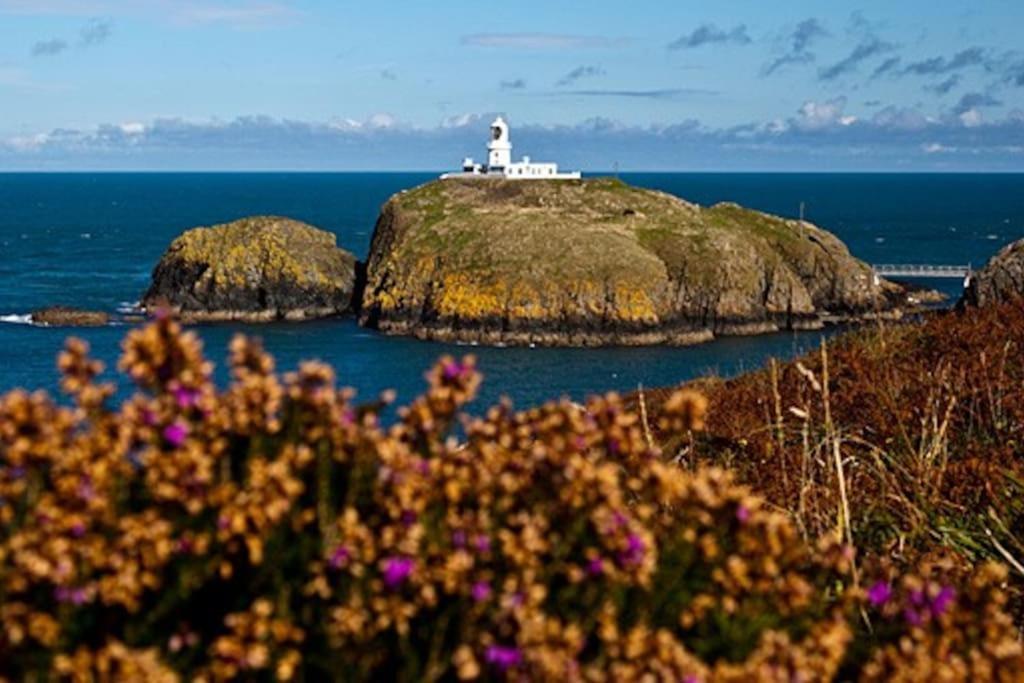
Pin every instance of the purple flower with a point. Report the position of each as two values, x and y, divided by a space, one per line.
943 600
184 546
76 596
613 446
348 417
186 397
482 543
223 522
634 552
408 518
503 657
879 593
77 530
691 678
176 433
595 567
459 538
742 514
16 472
338 557
452 370
396 570
481 591
912 616
86 491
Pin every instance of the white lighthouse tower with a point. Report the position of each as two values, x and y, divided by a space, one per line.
499 149
500 164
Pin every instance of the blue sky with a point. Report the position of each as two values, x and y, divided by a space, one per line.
732 85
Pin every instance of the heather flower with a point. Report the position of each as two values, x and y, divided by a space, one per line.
451 370
338 557
185 397
481 591
595 567
942 601
879 593
482 542
176 433
634 552
397 570
742 513
502 657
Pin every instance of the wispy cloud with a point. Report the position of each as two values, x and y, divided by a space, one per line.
798 44
539 41
95 32
711 34
975 100
870 47
579 73
888 66
49 48
946 86
936 66
388 75
514 84
52 7
246 14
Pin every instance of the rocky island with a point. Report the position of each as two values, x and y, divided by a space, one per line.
256 269
598 262
1000 280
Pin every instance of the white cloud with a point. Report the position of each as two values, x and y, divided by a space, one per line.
936 148
972 118
820 135
819 115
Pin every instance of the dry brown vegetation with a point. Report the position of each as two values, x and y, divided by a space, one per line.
906 439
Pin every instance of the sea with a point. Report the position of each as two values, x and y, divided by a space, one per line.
90 240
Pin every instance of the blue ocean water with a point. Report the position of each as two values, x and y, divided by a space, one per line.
90 240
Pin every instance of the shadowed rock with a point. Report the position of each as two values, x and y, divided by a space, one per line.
596 261
1000 280
65 316
255 269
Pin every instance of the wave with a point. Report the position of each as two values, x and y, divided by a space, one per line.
15 319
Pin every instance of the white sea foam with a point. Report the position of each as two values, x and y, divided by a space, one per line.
129 307
15 319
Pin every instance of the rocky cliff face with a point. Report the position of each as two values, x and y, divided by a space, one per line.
599 262
1001 279
256 269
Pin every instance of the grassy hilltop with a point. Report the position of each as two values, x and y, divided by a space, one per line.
597 261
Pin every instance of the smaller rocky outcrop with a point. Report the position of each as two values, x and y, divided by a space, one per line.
65 316
256 269
1001 279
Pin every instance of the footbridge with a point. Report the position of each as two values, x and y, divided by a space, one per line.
922 270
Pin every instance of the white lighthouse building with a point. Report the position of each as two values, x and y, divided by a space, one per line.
500 164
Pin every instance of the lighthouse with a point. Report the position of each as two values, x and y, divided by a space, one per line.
499 148
500 164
